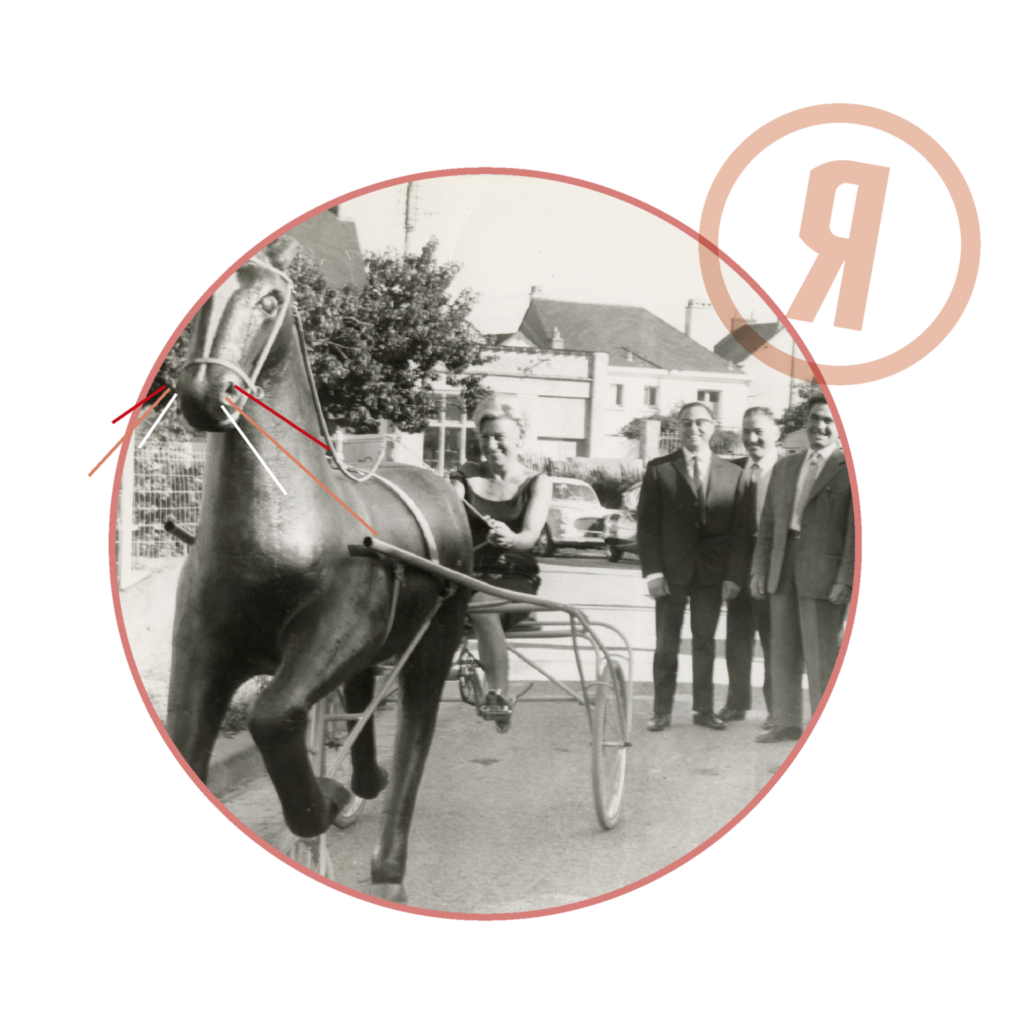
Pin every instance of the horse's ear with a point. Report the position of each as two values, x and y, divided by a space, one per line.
282 251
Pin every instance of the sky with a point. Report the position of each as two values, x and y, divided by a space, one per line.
510 233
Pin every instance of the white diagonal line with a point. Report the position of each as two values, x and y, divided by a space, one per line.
253 450
159 418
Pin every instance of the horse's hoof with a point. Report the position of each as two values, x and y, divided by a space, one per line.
374 790
338 796
393 892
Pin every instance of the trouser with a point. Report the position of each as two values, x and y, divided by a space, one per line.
745 617
705 604
805 631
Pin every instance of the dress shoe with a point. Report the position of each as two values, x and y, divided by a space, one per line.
729 715
659 722
708 719
778 733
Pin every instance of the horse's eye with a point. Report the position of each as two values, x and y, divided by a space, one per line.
269 304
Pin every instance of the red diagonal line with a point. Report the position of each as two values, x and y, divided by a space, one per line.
280 417
163 387
300 465
95 469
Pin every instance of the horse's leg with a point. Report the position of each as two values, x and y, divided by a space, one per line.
424 676
324 647
204 676
368 778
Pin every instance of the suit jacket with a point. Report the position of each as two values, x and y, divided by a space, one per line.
746 498
670 536
827 529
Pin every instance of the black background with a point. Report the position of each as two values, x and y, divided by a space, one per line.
164 221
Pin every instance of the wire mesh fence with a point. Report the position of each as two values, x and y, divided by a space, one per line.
168 484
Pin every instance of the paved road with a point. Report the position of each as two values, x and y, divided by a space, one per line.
506 823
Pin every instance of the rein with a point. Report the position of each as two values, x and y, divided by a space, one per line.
339 461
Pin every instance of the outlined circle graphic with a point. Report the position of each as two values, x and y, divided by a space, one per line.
940 161
639 735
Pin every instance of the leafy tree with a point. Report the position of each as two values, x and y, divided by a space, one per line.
376 350
795 417
634 429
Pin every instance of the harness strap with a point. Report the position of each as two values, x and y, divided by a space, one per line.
249 382
399 577
421 521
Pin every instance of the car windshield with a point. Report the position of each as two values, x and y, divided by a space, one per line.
574 492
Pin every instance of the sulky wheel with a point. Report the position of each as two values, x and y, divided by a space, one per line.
609 741
309 853
334 735
471 678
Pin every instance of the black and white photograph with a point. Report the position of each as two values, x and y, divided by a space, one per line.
470 564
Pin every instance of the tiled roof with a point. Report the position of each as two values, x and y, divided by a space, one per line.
731 347
594 327
336 244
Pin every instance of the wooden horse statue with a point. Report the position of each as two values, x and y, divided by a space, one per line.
273 586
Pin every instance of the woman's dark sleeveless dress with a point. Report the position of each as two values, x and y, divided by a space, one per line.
511 570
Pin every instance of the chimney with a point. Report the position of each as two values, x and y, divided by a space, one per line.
702 323
557 341
534 291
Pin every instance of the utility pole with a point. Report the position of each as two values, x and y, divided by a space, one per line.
408 214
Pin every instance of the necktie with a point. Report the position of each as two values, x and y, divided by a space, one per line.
698 486
813 465
757 480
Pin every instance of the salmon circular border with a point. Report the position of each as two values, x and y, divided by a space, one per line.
922 143
366 897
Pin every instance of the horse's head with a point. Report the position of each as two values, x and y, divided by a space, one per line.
235 331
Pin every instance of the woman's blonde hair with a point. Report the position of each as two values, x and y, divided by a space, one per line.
499 407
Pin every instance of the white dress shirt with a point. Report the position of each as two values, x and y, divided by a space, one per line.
802 481
764 468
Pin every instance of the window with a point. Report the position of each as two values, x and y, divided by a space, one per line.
617 393
650 396
710 398
450 439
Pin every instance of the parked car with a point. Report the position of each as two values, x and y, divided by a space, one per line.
575 519
620 526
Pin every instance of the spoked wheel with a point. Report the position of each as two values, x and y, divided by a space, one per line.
609 741
334 735
310 853
471 678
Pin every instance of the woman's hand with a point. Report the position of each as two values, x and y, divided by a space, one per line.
501 535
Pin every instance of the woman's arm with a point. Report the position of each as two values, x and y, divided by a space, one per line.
533 522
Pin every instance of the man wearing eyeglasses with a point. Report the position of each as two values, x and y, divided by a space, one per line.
687 528
804 559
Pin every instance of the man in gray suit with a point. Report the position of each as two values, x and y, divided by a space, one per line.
804 559
747 616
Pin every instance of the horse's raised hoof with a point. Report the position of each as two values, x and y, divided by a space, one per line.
338 796
374 788
393 892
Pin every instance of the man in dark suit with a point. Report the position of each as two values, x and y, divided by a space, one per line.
686 525
745 615
804 558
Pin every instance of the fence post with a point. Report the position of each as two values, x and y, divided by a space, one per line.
650 440
126 506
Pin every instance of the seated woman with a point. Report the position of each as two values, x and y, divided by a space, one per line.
514 501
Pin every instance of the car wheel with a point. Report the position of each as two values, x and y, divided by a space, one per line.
614 554
546 546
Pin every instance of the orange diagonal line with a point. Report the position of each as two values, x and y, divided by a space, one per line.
128 431
299 464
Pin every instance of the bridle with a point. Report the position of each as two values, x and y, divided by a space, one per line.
254 388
